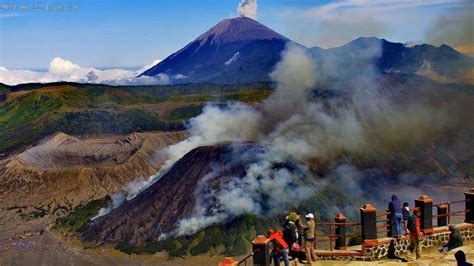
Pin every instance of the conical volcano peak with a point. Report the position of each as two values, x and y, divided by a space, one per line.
239 29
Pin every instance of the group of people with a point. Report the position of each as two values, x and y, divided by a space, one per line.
400 216
295 235
298 235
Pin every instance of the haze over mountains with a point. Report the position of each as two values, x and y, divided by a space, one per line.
241 50
325 125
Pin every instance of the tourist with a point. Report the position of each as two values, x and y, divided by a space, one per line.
290 231
406 216
301 232
415 232
280 247
455 239
309 233
461 258
396 216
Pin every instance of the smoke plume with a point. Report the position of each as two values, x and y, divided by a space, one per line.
248 8
288 125
355 135
264 190
456 31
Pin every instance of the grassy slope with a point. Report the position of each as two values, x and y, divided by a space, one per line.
34 111
79 216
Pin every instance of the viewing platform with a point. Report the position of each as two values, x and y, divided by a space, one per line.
374 232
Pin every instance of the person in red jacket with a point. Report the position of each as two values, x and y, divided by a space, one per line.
280 247
415 233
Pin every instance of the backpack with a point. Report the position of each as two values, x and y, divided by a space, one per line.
411 224
290 233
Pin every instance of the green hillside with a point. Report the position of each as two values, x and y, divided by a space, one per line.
33 111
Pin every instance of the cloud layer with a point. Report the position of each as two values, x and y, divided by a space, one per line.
339 22
64 70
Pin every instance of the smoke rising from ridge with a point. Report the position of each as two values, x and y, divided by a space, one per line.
367 125
455 30
264 190
248 8
288 126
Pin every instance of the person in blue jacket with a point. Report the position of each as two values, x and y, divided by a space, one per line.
396 216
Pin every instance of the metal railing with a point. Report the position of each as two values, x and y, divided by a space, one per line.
449 213
244 260
330 229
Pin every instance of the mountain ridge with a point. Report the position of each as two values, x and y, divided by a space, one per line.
242 50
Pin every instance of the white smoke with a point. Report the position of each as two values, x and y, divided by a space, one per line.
264 190
288 126
248 8
117 200
235 122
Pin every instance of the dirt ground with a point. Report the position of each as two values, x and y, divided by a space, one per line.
17 248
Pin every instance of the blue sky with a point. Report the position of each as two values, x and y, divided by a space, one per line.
115 33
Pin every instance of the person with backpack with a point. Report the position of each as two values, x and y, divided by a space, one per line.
309 231
415 232
290 231
406 216
396 216
280 247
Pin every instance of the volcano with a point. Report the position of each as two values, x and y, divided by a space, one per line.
62 172
237 50
203 178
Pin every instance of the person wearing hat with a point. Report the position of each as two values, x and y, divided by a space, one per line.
455 239
290 231
309 232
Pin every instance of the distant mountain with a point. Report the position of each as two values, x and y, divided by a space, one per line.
238 50
241 50
369 56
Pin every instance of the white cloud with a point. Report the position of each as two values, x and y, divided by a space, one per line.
64 70
61 66
180 76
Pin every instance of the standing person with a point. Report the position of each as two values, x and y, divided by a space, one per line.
396 216
415 232
455 239
301 234
280 247
290 231
406 216
309 231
